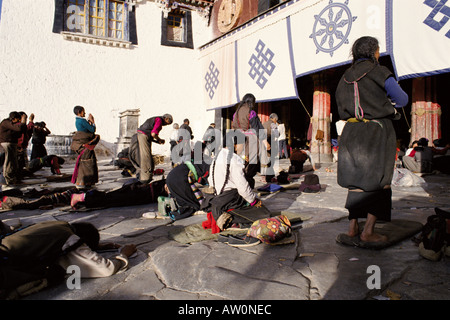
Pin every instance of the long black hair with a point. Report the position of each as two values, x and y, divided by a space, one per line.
365 48
87 232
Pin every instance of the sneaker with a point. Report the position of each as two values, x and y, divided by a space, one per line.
243 242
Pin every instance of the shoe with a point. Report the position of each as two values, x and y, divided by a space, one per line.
430 254
243 242
75 198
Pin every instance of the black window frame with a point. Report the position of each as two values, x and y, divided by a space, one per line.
188 43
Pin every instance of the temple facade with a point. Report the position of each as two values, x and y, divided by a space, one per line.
196 59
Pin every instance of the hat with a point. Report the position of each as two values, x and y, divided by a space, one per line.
310 184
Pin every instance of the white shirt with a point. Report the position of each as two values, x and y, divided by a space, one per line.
174 135
91 264
236 179
340 126
282 132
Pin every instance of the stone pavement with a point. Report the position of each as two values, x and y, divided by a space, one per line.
313 267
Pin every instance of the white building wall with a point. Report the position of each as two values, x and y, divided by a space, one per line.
44 74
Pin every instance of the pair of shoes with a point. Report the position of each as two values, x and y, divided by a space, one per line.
243 242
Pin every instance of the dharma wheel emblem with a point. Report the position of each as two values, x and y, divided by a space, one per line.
332 27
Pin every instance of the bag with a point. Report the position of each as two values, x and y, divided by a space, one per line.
270 230
435 235
283 177
166 205
320 135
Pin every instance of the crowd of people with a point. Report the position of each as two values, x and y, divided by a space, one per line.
15 137
227 166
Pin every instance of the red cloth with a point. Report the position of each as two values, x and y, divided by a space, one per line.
210 223
157 126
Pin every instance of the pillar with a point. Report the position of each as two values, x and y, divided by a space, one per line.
425 111
320 121
129 122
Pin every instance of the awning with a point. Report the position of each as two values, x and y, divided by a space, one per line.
301 37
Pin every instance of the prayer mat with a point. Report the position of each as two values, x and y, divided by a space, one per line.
195 232
65 177
396 231
284 188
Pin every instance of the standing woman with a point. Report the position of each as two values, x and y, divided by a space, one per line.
40 133
246 120
85 174
366 96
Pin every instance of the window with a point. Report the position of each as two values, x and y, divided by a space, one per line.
176 29
100 18
103 19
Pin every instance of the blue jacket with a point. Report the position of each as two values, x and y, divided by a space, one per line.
83 125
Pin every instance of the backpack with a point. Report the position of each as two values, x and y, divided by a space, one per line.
435 235
270 230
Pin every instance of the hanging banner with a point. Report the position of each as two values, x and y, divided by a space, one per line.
301 37
218 75
261 63
324 31
264 62
420 37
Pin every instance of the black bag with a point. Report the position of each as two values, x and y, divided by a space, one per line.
436 232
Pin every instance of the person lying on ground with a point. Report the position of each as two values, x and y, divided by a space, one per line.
130 194
45 250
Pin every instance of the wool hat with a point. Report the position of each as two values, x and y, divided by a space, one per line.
310 184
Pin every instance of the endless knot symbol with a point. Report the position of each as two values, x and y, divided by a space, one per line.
331 25
212 80
438 7
261 64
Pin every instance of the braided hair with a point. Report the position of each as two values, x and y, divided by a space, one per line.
365 47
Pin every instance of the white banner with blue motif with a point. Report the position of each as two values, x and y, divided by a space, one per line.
421 37
218 72
264 63
324 31
301 37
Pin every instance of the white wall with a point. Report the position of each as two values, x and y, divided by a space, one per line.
44 74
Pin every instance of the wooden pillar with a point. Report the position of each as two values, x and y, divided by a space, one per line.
321 148
425 111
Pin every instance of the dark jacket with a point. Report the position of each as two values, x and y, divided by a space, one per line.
148 125
373 97
11 132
